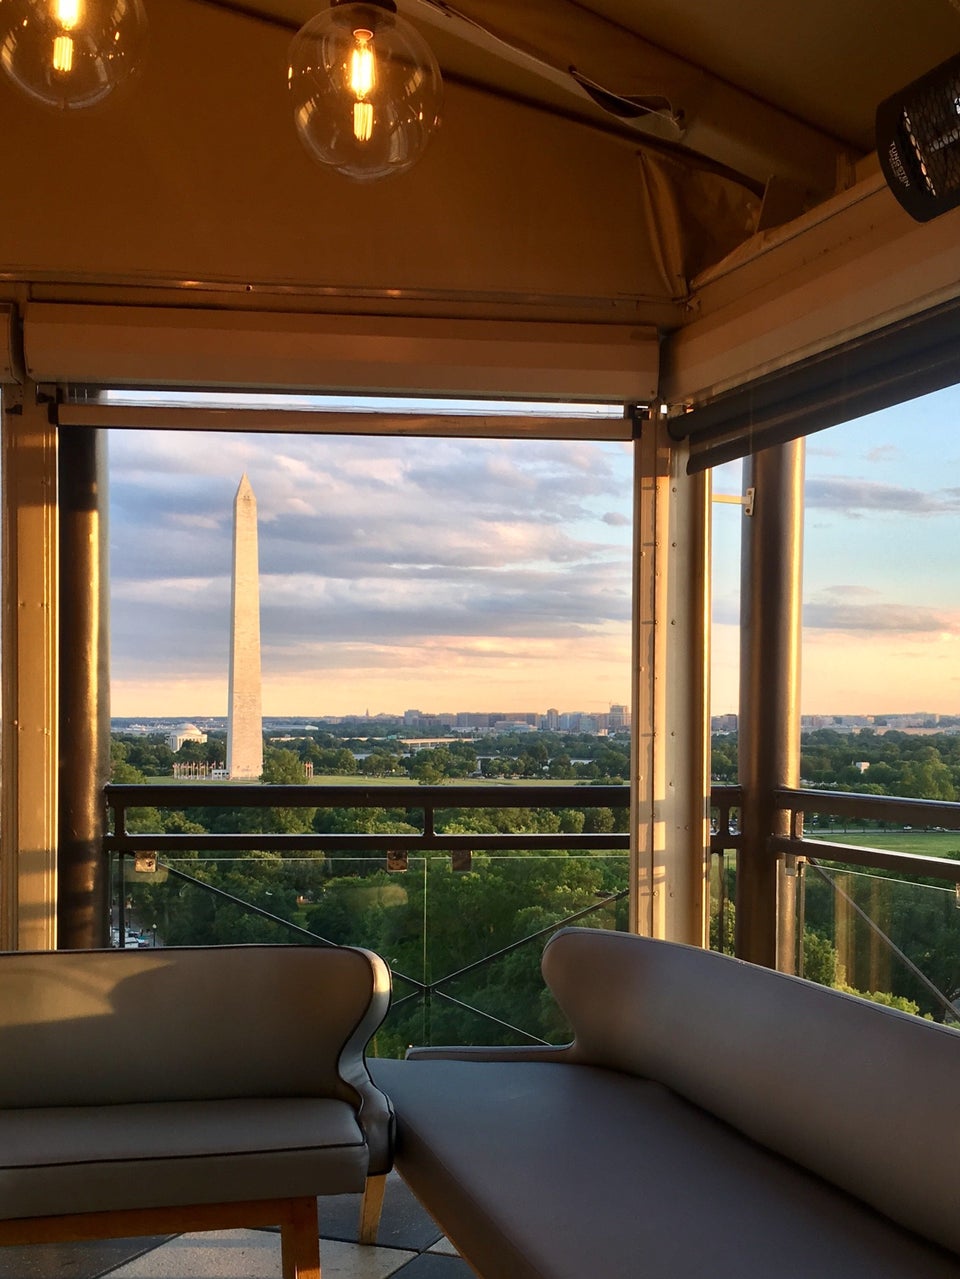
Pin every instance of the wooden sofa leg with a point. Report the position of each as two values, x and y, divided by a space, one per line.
300 1241
370 1207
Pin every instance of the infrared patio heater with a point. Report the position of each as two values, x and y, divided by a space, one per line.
918 142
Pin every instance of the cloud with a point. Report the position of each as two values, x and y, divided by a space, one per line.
883 453
365 540
879 618
855 496
846 591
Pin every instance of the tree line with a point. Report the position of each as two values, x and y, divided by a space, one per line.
507 756
908 765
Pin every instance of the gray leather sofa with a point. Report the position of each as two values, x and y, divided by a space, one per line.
710 1118
155 1091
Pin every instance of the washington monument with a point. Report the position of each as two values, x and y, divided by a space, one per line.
245 715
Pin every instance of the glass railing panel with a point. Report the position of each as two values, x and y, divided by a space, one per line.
463 934
723 887
894 939
493 966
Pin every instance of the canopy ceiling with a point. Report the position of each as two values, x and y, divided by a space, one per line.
694 181
768 88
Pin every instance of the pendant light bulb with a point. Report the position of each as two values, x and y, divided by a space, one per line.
366 89
70 54
362 78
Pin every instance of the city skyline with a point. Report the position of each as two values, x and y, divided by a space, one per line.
617 717
401 572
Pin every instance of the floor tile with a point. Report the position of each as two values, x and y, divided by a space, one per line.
445 1247
355 1261
217 1254
431 1265
88 1260
255 1254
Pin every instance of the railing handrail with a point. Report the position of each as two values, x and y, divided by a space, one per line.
428 800
865 855
389 795
853 805
348 845
874 807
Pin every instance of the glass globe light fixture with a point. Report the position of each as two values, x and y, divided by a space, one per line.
366 89
70 54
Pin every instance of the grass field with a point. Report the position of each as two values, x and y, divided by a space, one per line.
922 843
356 779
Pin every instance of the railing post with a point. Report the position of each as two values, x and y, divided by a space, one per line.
28 823
671 621
769 721
83 916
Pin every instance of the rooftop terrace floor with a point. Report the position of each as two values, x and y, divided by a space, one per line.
409 1245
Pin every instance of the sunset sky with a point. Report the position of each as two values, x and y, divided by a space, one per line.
395 573
881 583
463 575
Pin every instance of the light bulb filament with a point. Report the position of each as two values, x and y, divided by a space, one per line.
362 67
63 54
363 121
67 14
363 75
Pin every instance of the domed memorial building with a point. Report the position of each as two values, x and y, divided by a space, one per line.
184 733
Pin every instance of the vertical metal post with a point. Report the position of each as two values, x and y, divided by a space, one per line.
670 860
28 824
769 724
83 914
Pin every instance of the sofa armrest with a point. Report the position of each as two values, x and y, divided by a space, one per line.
524 1052
375 1110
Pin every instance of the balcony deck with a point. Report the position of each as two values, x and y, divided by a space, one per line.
410 1245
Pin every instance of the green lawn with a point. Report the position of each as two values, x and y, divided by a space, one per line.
357 779
924 843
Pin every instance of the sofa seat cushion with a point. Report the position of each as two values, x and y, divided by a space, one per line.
66 1159
555 1171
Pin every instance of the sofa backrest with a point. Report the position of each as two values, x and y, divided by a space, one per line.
95 1027
865 1096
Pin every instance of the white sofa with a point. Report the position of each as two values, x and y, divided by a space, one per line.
710 1118
156 1091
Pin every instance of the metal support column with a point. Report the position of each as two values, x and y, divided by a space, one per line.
770 629
670 836
28 848
83 915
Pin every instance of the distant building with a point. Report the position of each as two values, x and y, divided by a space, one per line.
577 722
724 723
184 733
